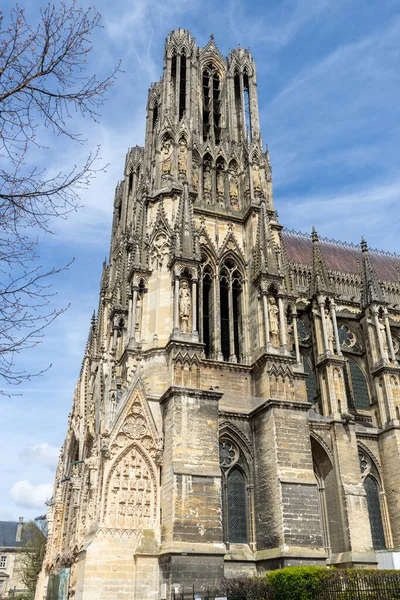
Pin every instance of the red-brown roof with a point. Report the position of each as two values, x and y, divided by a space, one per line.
338 257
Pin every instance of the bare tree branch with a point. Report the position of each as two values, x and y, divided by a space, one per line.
45 79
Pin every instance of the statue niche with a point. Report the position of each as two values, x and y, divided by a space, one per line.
195 173
256 178
220 172
166 158
273 322
329 330
185 306
233 186
182 159
207 181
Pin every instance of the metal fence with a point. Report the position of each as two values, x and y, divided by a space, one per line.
339 585
367 586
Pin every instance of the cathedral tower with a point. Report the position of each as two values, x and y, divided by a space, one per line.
235 377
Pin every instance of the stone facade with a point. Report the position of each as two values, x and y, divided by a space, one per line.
238 404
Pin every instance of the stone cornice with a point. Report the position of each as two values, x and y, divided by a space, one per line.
176 390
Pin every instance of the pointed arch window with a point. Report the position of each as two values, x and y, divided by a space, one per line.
206 291
155 115
356 386
234 494
238 102
211 103
247 111
231 286
182 86
311 381
375 499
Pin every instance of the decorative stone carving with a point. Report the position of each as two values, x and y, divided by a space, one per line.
207 183
92 464
166 154
233 187
138 313
220 186
195 174
131 501
273 322
329 330
256 179
185 305
182 158
385 345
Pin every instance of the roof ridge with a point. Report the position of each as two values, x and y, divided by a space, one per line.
349 245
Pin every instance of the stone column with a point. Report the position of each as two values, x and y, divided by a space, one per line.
378 333
296 339
266 318
389 335
217 324
194 305
321 304
282 322
192 546
201 291
133 317
176 303
335 328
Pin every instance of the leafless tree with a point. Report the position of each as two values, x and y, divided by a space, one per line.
45 82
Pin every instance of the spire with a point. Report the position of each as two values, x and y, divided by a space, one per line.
186 237
371 288
320 283
264 256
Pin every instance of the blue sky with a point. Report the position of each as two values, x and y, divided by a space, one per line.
329 89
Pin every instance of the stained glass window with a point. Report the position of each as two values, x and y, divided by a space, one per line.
236 501
348 339
375 515
356 386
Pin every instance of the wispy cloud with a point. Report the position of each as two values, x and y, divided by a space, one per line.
43 453
26 495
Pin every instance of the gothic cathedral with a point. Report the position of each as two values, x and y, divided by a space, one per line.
238 407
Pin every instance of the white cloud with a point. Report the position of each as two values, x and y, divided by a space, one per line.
31 496
45 454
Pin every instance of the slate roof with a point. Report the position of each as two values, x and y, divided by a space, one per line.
8 533
340 257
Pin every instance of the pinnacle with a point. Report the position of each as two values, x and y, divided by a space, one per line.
364 245
314 235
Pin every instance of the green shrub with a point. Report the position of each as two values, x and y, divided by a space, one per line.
296 583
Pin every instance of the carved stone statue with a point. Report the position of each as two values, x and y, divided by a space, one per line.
138 315
329 330
185 305
92 463
182 158
221 187
233 187
256 180
385 344
166 153
207 185
195 174
273 322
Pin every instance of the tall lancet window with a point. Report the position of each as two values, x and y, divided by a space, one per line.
238 103
231 285
375 501
182 87
211 103
234 493
246 94
205 306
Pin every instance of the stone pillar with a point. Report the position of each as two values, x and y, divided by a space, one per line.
288 528
296 339
354 518
133 315
194 305
176 303
335 328
266 318
217 324
192 546
282 322
378 333
321 304
389 336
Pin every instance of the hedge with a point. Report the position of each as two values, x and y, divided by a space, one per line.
316 583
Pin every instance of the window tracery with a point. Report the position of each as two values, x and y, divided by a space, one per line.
231 285
373 489
234 497
211 103
348 339
356 386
